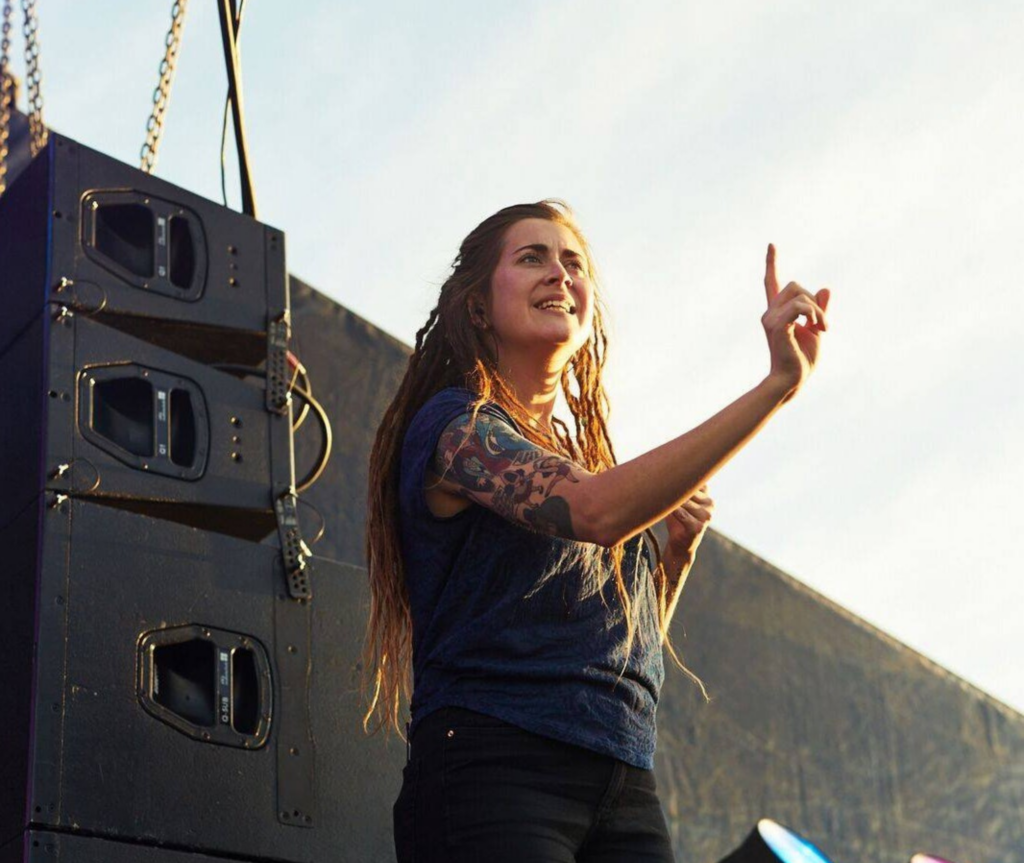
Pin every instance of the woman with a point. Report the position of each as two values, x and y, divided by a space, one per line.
512 564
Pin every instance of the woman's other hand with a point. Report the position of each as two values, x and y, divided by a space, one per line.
687 523
793 346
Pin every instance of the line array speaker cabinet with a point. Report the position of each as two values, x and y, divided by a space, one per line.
171 688
126 300
176 698
105 414
79 228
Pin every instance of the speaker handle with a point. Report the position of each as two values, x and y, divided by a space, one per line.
210 684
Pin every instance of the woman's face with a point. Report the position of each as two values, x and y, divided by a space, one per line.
541 295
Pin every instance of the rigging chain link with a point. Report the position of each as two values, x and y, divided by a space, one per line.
6 93
37 130
162 93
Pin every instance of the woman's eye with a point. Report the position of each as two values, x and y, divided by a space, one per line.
528 257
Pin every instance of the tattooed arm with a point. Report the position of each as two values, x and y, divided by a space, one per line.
493 465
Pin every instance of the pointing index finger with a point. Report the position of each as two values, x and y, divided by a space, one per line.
771 284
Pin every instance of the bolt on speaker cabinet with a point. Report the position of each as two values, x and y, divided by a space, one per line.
163 692
82 230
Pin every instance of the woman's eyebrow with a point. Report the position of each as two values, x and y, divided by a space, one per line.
540 247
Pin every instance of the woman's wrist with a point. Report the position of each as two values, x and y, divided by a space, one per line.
680 556
780 388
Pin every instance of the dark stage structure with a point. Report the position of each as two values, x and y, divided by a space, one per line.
817 719
180 648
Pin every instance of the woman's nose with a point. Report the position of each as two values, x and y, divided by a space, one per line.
559 274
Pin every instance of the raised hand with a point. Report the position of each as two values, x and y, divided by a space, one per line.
686 524
793 346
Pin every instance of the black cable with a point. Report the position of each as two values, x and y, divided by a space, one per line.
325 422
227 18
305 408
319 515
74 302
227 105
326 444
301 372
62 469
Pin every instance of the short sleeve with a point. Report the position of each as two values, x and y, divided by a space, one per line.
421 439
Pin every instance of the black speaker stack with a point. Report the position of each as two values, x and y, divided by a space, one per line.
177 667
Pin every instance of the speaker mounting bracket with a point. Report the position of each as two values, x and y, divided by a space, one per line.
278 383
294 551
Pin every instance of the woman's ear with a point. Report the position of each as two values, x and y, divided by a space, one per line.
477 312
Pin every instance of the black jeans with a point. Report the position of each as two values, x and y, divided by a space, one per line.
478 790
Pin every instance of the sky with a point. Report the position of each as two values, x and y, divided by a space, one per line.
877 145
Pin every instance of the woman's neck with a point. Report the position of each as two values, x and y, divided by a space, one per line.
535 384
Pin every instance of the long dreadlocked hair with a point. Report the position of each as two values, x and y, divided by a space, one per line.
450 351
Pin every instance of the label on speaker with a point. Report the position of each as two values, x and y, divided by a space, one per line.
224 660
161 247
162 426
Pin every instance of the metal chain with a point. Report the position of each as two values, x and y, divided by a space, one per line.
6 94
34 78
162 93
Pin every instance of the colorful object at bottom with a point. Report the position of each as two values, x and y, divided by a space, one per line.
786 845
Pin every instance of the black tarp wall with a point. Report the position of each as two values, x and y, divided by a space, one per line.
817 719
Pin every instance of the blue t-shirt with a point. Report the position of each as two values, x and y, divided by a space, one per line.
522 626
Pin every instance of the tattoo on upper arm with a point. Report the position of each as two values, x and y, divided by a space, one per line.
494 465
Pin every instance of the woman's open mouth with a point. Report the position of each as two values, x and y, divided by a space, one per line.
557 306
